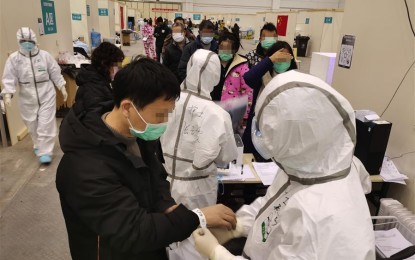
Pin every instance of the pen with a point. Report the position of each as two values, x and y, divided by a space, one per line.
242 169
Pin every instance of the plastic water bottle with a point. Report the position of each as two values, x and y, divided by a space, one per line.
95 39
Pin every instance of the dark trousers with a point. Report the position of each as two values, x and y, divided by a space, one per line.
158 52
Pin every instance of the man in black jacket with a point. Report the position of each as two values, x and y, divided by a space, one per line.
161 31
113 189
173 52
205 40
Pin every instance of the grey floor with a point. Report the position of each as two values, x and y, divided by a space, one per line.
31 222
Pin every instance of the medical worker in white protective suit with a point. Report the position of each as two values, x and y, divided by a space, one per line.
199 137
316 206
36 72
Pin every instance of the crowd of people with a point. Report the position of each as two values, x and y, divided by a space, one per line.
143 142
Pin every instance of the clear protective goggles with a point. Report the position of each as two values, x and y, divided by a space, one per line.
258 140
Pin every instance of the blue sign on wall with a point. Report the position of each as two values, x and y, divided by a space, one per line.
178 15
76 17
88 10
196 17
307 20
328 19
236 19
103 11
49 17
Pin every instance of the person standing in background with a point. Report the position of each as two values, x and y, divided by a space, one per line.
204 40
148 39
161 31
268 36
173 52
94 81
37 73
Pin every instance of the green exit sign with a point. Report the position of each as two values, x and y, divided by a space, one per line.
328 19
76 17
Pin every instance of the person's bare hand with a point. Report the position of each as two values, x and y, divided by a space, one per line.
168 210
219 216
280 56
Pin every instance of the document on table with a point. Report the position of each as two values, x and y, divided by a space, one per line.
235 173
390 173
266 171
390 242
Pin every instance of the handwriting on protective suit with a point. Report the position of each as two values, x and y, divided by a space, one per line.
192 128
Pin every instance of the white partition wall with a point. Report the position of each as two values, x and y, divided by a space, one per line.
330 38
384 51
93 20
79 20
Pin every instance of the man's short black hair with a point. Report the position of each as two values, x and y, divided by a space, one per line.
268 27
178 18
159 19
143 81
206 24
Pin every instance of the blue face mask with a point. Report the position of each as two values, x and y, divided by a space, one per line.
206 39
281 67
151 132
268 42
28 46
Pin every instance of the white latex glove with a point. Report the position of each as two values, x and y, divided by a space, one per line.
64 93
205 242
7 99
224 235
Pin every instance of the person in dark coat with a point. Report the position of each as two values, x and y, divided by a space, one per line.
94 81
173 52
204 40
160 32
113 190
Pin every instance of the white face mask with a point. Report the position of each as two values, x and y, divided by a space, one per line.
178 37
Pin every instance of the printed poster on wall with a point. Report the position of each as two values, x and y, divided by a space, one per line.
346 51
49 17
282 22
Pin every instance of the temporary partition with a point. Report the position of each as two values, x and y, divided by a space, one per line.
323 28
244 21
79 20
106 18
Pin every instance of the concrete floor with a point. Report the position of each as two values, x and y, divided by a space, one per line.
31 221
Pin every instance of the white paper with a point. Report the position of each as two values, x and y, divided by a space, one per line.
390 242
266 171
390 173
234 173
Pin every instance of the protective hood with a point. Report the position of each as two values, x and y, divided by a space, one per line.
307 126
25 33
203 73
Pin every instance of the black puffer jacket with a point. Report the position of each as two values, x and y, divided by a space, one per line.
113 202
93 89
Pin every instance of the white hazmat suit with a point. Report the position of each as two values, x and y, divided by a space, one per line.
199 137
315 208
36 72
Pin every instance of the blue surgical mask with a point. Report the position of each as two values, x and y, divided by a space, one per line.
151 132
28 46
268 42
206 39
281 67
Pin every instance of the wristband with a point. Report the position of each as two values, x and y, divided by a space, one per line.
201 216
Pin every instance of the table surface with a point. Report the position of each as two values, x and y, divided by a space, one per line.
248 158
